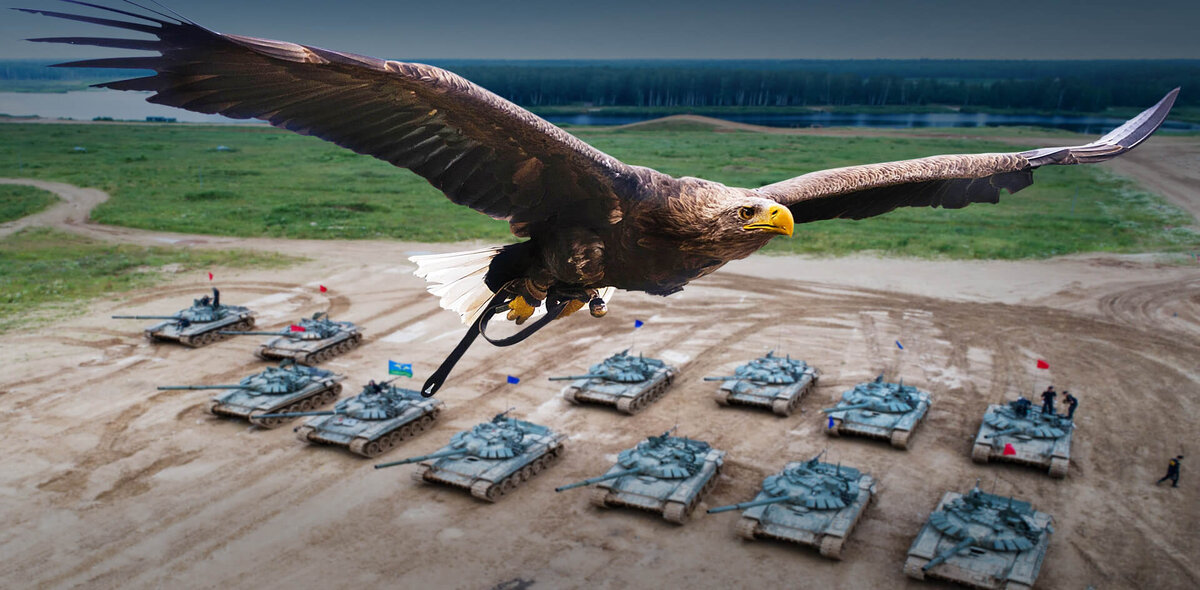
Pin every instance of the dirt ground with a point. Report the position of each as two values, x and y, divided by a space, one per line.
106 482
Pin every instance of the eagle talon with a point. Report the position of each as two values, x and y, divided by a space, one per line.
519 310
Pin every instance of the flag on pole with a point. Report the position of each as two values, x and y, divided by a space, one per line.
295 328
830 422
395 368
210 276
898 345
1041 364
1009 450
638 323
514 380
323 289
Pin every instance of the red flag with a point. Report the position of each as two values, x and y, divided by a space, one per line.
210 276
296 328
323 289
1009 450
1041 364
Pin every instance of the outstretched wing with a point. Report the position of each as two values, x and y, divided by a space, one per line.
481 150
950 181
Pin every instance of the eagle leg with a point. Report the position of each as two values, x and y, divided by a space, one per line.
519 310
573 306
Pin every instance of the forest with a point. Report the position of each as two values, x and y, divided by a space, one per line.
1046 86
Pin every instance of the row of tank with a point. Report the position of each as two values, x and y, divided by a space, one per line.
308 341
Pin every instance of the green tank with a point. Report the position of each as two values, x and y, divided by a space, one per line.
309 341
198 325
808 503
371 423
491 459
878 409
1020 433
627 382
665 474
276 390
778 383
981 540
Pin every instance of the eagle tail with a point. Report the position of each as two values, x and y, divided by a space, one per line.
458 279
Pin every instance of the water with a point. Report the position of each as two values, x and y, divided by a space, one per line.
88 105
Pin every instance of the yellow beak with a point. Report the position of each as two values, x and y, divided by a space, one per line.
777 219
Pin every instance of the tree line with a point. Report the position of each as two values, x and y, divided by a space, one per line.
1084 86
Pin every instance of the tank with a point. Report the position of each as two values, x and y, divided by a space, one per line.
318 339
665 474
981 540
627 382
879 409
778 383
286 388
1041 440
371 423
199 324
491 459
809 503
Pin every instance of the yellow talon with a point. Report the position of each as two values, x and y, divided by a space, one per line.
573 306
520 310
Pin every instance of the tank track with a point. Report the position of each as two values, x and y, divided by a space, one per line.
374 448
637 403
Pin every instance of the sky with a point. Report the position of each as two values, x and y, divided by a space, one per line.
695 29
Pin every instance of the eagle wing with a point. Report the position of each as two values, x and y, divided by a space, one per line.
481 150
950 181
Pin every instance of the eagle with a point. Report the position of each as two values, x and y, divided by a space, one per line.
589 222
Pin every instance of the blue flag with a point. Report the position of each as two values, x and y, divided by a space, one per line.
898 345
514 380
638 323
831 422
395 368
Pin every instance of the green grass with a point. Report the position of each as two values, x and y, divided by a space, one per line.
44 271
171 177
18 201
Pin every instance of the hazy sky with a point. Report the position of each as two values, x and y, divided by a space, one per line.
701 29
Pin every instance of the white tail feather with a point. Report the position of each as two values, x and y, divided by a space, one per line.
458 280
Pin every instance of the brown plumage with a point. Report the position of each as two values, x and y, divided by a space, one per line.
592 221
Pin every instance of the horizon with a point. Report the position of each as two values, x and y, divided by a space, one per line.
772 30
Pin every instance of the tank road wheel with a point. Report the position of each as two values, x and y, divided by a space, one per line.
676 512
537 466
337 389
570 394
598 498
212 408
1058 467
420 472
1015 585
831 547
261 352
912 567
836 429
484 490
404 432
980 453
747 528
426 422
358 446
302 433
625 405
900 438
722 397
783 407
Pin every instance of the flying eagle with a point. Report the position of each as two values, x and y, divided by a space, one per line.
592 223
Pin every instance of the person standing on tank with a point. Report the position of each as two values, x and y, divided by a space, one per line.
1048 400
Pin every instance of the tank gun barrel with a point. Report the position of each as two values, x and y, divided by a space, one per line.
724 378
750 504
845 408
591 480
419 458
299 414
255 333
146 317
190 387
947 554
574 377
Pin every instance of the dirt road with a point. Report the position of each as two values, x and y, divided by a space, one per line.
107 482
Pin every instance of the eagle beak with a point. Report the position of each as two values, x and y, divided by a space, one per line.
777 219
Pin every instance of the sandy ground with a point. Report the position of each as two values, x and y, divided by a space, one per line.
107 482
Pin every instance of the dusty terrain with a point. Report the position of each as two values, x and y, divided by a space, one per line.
108 483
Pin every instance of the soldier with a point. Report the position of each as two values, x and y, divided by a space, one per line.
206 300
1023 405
1172 472
1072 403
216 300
1048 400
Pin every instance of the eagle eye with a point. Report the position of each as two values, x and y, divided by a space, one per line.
746 213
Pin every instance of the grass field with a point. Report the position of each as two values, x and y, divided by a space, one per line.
18 201
44 270
273 183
